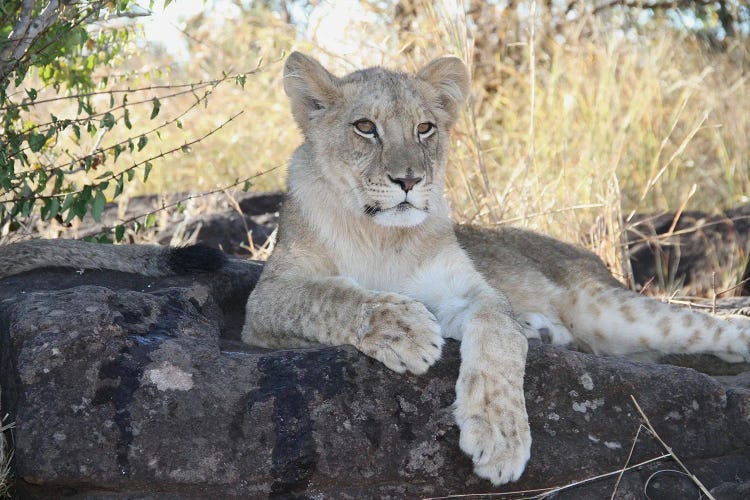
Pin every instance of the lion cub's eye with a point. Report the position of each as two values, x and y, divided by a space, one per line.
425 129
365 128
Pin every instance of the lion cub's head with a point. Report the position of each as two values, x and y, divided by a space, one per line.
378 139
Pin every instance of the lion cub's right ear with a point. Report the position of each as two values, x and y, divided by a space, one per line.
309 85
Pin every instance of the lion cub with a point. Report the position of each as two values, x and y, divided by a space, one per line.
367 256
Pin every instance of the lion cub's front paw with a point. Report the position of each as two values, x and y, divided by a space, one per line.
402 334
494 427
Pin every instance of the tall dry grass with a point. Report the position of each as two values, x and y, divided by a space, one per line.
571 128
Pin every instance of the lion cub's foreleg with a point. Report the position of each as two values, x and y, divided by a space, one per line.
291 310
295 310
490 407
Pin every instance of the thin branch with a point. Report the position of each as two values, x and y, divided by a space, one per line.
688 230
97 151
630 455
193 86
654 6
669 450
191 197
114 176
102 113
548 492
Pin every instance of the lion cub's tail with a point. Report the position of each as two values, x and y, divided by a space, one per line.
148 260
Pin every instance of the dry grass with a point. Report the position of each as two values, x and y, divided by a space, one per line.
6 456
569 130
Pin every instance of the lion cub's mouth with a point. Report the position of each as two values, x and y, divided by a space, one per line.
373 210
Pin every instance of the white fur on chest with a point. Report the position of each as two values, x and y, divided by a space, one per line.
374 264
377 258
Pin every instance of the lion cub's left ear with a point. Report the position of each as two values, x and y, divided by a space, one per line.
451 79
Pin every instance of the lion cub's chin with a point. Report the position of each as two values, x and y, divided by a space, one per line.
397 217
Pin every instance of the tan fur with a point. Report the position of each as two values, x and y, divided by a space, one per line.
353 265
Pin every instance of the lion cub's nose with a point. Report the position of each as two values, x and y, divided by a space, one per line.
406 183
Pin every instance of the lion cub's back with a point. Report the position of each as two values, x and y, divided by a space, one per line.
510 255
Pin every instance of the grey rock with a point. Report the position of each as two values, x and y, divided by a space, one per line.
129 387
688 244
223 227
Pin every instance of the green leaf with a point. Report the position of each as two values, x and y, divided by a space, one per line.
147 171
41 182
119 186
119 232
59 178
108 121
69 199
142 141
32 94
246 186
118 151
157 107
50 209
126 117
37 141
150 221
26 207
97 206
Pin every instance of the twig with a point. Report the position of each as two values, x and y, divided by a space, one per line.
667 4
656 473
191 197
549 212
650 239
669 450
630 455
713 290
197 102
546 492
531 153
114 176
731 288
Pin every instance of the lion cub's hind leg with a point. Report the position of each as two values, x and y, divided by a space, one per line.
617 321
